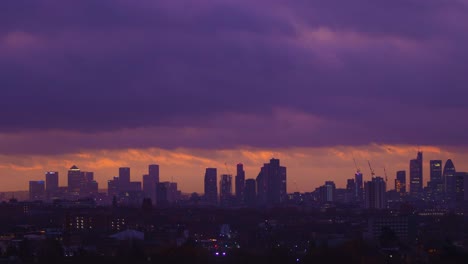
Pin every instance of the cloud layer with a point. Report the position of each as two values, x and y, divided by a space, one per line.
227 74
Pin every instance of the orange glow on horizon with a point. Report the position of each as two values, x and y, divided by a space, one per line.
309 167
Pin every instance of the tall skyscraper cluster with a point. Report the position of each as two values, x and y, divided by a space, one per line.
268 189
80 184
132 192
445 183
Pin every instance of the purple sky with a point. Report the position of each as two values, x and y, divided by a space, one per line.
227 74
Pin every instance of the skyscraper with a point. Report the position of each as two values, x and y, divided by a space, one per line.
449 179
166 193
150 181
93 188
52 182
124 179
225 190
162 193
74 181
149 188
271 184
240 183
416 174
350 195
113 187
250 194
211 186
153 172
36 190
88 176
435 170
327 192
358 179
400 182
88 184
436 183
375 191
460 185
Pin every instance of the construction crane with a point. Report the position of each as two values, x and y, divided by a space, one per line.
355 164
371 170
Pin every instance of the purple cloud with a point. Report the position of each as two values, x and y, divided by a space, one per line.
232 72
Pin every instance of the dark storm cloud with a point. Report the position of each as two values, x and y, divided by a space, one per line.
357 71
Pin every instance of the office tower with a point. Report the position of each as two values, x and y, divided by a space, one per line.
153 172
88 176
225 190
134 187
435 170
328 192
92 188
351 186
124 179
87 184
166 193
436 183
449 179
271 184
375 193
52 182
149 182
250 194
113 187
162 190
240 183
350 195
283 186
149 188
358 179
211 186
400 182
416 174
460 185
36 190
261 187
74 181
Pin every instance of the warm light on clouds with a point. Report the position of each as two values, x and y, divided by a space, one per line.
307 167
190 84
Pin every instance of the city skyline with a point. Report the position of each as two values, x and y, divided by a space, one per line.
121 84
234 131
227 169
